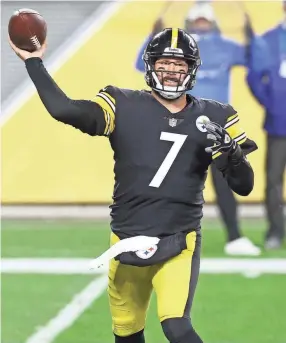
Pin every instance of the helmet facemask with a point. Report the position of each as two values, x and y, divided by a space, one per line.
186 80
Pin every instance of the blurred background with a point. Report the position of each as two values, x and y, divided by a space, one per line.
57 182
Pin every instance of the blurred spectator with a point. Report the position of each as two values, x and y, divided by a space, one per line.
269 87
218 55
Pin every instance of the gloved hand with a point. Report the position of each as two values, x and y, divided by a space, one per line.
219 136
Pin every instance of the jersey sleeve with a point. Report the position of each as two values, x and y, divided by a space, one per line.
236 132
105 98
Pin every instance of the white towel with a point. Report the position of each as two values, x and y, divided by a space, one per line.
125 245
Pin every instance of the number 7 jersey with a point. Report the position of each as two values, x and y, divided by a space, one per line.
160 160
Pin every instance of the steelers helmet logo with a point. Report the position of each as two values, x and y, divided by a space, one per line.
200 123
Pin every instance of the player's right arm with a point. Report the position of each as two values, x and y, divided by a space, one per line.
92 117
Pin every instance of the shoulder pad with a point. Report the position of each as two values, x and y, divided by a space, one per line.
219 108
116 91
109 89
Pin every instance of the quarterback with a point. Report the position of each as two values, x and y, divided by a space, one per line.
163 141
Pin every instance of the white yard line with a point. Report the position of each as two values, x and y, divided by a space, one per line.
67 316
92 25
70 266
103 211
61 266
81 301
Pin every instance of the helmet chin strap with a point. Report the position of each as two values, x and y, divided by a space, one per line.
170 95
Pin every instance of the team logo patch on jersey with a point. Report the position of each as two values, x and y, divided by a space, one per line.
145 254
200 123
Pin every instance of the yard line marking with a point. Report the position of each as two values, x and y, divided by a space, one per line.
68 315
80 266
103 212
61 266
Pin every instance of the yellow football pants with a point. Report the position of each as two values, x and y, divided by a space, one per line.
174 282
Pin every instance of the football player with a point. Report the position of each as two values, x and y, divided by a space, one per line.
163 142
219 56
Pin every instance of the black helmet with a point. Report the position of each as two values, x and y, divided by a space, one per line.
172 43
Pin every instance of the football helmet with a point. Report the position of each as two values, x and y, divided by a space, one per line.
172 43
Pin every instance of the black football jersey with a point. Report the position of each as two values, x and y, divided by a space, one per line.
160 160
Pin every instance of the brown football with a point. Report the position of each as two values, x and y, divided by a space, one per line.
27 29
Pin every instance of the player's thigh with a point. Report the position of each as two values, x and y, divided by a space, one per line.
176 280
129 291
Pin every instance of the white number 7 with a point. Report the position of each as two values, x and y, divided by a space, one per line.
170 158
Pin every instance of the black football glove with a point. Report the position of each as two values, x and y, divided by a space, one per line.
222 141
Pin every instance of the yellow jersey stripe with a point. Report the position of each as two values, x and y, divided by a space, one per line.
109 96
217 154
231 122
108 101
174 41
112 125
109 112
232 117
235 130
103 103
241 138
107 121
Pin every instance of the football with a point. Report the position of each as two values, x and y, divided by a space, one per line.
27 29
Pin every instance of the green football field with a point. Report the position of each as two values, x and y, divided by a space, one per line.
48 294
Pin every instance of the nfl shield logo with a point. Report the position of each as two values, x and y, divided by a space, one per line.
172 122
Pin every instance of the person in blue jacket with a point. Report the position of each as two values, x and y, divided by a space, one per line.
218 55
269 87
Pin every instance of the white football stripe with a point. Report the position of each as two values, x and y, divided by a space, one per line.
67 315
230 123
107 100
239 138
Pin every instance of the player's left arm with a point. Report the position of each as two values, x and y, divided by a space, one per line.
229 151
